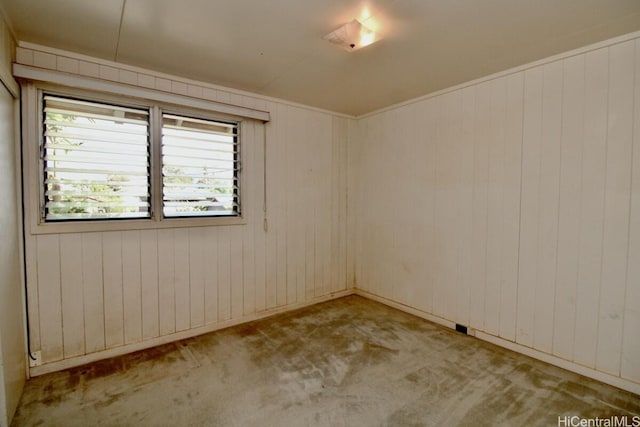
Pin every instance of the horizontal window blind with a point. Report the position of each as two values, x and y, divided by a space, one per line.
95 160
200 167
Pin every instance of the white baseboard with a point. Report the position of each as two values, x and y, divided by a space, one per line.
612 380
407 309
603 377
165 339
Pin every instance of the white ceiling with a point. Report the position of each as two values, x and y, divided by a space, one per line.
275 47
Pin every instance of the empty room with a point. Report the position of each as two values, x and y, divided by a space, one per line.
320 213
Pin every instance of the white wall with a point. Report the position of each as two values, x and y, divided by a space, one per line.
12 344
96 294
509 205
512 205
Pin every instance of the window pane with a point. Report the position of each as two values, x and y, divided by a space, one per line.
199 167
96 161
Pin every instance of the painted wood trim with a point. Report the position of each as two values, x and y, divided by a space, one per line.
514 70
612 380
130 348
554 214
149 78
88 83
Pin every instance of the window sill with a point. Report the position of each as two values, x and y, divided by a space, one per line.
132 224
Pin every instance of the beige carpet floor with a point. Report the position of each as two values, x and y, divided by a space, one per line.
348 362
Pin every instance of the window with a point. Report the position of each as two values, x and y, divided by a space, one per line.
96 163
199 167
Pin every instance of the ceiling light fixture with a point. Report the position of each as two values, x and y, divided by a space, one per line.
352 36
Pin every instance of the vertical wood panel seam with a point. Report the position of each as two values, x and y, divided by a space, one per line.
315 251
282 229
486 220
218 304
104 312
157 240
472 140
241 273
334 177
122 332
186 231
287 192
555 279
473 191
188 290
579 245
346 176
84 318
104 308
502 207
604 206
522 115
173 282
626 269
60 294
141 312
539 197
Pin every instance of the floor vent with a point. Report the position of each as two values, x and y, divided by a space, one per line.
461 328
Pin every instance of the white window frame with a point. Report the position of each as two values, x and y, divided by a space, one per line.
237 159
52 158
32 140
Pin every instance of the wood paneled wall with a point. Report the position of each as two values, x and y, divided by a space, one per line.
12 340
513 206
96 291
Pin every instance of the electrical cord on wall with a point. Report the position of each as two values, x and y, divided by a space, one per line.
24 250
26 294
26 297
